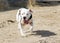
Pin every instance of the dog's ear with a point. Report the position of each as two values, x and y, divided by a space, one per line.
30 10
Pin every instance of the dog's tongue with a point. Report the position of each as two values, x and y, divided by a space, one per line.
26 21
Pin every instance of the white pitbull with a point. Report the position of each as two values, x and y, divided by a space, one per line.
24 17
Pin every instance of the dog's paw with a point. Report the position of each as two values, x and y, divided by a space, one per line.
23 35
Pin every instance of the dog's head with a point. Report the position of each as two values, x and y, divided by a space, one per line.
26 14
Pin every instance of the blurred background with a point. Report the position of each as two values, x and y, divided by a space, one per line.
12 4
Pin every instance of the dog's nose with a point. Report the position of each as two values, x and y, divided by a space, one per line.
24 17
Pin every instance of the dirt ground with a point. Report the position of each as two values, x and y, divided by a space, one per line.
46 26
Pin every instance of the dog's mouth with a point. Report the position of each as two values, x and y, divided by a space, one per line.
26 21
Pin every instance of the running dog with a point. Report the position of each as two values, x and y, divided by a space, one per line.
24 17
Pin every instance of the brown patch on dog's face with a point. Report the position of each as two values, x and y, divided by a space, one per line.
30 10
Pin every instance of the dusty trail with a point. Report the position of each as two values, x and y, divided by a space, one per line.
46 26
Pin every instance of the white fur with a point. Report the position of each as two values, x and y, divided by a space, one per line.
22 12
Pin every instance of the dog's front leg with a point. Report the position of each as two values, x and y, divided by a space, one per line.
21 30
31 27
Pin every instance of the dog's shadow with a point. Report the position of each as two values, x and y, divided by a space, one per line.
43 33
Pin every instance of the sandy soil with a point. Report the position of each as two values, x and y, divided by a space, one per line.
46 26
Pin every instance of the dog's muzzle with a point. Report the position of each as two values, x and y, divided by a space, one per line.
24 18
27 21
